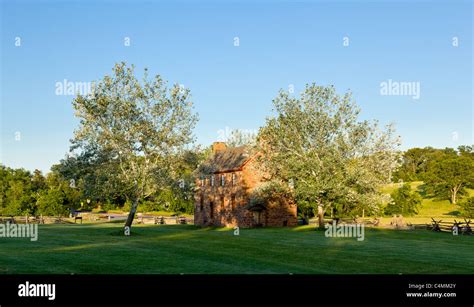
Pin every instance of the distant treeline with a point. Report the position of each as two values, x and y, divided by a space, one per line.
85 183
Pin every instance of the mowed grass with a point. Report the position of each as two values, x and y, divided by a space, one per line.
175 249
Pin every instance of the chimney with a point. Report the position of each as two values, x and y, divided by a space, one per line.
218 146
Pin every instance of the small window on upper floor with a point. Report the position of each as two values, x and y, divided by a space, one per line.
232 201
212 180
222 180
234 178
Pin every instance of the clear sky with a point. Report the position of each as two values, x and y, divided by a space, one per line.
281 43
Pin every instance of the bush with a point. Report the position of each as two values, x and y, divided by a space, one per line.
404 201
127 206
108 205
148 206
174 201
51 202
467 206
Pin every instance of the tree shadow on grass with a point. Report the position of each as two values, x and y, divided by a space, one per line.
454 213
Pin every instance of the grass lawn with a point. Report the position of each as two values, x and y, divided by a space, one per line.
99 248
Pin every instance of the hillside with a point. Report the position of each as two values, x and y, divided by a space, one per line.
430 208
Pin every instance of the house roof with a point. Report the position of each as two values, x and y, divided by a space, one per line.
229 159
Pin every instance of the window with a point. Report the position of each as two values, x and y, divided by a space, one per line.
234 178
211 209
212 180
201 205
232 201
222 202
203 181
222 180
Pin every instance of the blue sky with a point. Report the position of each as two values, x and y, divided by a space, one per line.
281 43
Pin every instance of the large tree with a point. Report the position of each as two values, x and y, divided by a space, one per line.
417 162
316 146
240 137
448 177
144 125
93 172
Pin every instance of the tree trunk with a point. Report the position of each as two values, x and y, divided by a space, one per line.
131 214
321 217
306 217
453 196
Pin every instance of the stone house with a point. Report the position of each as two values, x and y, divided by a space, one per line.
224 188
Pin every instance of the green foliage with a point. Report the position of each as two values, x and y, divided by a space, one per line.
106 206
52 202
23 193
448 176
59 197
467 206
91 172
172 200
316 143
417 162
241 138
404 201
127 206
142 126
18 191
446 172
268 191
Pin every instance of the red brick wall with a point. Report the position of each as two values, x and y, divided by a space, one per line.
278 213
226 214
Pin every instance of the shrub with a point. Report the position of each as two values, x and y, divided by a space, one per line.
147 206
467 206
108 205
404 201
52 202
127 206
